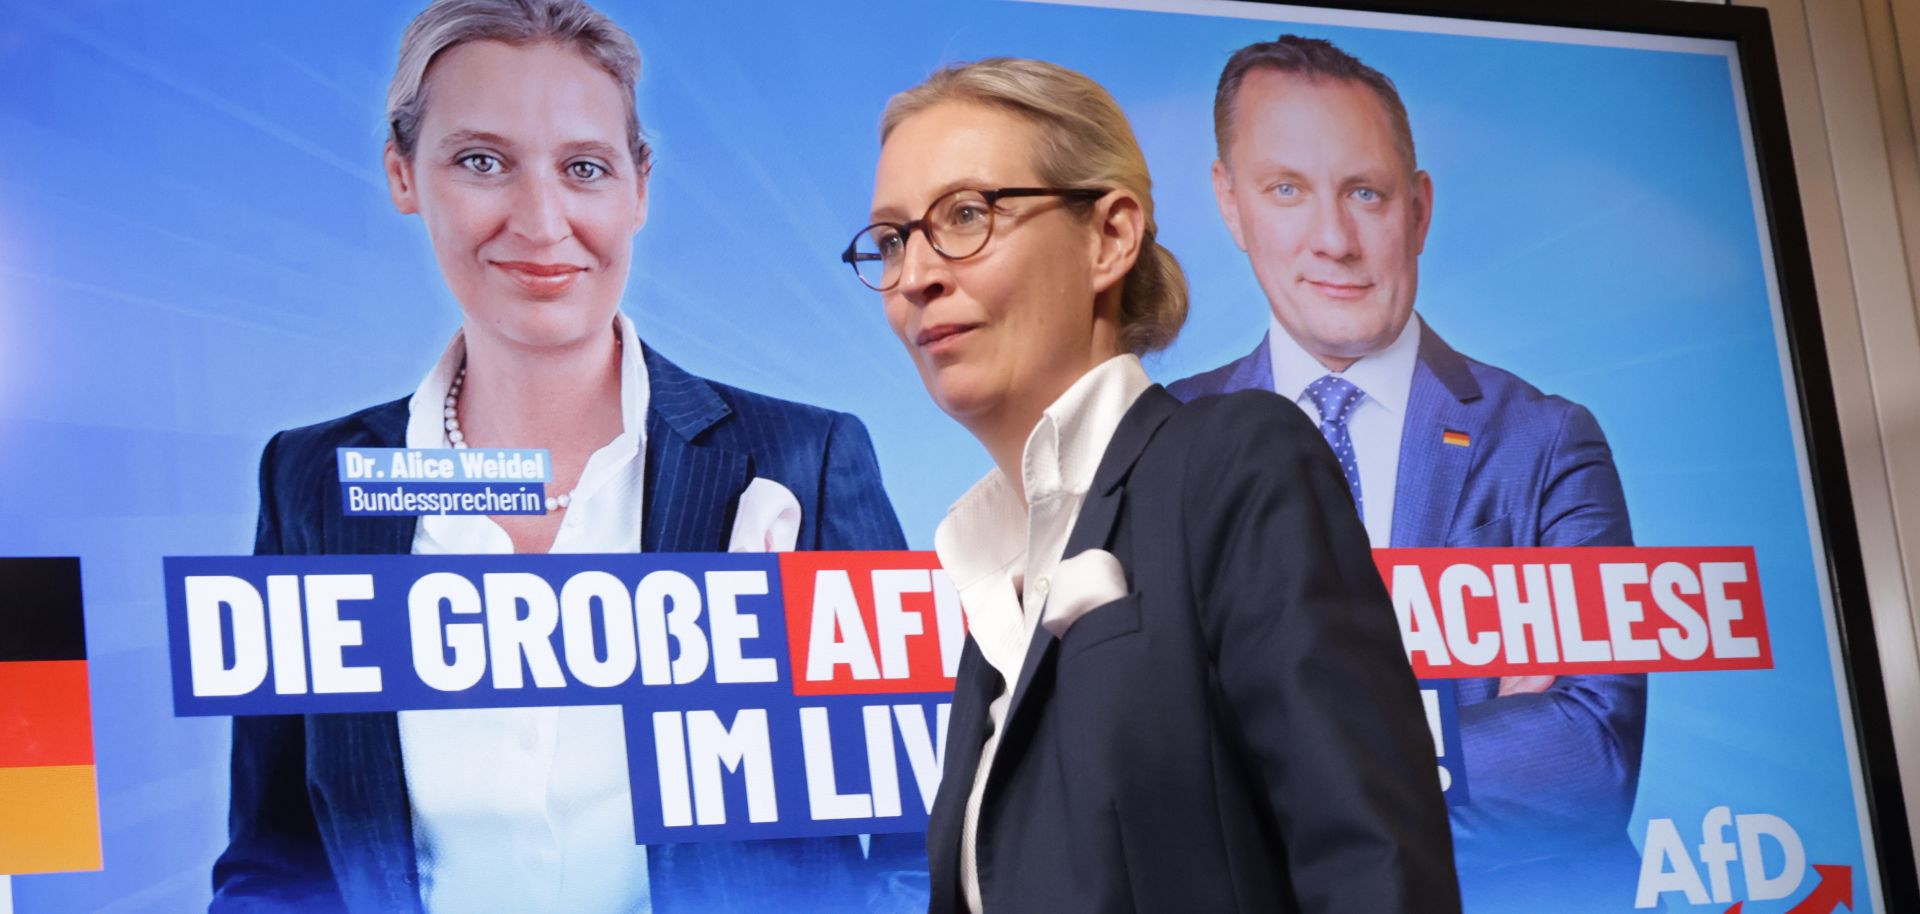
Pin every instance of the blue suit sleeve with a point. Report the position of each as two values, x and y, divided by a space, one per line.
854 510
274 861
1555 772
1308 659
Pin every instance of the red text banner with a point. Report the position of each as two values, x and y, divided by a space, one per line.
1566 611
870 622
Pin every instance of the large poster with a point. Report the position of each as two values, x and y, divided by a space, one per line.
200 248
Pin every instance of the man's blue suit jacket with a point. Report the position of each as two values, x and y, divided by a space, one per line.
1550 775
320 818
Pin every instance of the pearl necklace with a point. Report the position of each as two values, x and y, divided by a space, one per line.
458 438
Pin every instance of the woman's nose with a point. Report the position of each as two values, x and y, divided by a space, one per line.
540 212
924 274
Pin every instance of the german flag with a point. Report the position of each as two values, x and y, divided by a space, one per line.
1455 438
51 818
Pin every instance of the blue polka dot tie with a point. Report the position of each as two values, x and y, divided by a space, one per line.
1336 397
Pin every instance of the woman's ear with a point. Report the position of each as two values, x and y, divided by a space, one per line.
400 184
640 202
1121 227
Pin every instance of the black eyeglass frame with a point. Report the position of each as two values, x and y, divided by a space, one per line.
853 258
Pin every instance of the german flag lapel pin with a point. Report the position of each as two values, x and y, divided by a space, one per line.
1455 437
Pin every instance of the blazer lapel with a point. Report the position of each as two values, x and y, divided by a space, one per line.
1098 515
342 535
691 487
974 685
1443 399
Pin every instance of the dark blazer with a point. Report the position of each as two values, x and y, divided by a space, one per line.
1241 732
320 818
1551 775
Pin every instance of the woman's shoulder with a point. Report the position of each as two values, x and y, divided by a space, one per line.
384 425
1219 444
1249 450
756 407
1222 424
744 416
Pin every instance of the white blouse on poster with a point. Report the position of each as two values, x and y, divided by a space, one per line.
529 809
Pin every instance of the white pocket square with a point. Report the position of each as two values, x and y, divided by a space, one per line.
768 519
1092 578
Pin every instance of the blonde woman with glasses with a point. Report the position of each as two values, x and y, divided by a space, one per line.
1183 688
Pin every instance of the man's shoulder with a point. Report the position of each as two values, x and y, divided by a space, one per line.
1515 421
1506 395
1213 381
1240 374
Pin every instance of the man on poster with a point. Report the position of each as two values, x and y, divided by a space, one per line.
1317 181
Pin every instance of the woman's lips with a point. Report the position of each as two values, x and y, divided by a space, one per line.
941 338
541 280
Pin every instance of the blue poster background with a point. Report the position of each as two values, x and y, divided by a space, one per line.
197 249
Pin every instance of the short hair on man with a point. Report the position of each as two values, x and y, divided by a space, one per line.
1310 59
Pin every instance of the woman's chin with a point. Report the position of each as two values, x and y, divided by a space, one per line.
965 403
548 331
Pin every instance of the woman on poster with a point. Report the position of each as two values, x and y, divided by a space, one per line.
515 140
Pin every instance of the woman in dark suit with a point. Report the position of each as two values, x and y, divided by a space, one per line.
1183 687
515 140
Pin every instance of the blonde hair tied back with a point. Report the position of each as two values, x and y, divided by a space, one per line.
1085 141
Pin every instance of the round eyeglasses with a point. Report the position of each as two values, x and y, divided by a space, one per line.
957 225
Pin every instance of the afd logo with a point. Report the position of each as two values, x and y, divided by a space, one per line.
1773 865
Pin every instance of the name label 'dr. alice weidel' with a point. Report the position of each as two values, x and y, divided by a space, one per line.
387 481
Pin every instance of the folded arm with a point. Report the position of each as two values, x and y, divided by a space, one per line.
1554 770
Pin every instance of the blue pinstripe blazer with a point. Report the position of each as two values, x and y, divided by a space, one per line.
320 818
1551 775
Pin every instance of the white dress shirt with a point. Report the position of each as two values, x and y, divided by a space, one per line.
991 542
529 809
1376 423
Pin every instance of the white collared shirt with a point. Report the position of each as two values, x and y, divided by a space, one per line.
529 809
1375 424
991 542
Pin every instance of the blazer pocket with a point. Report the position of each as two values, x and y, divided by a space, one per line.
1102 623
1496 532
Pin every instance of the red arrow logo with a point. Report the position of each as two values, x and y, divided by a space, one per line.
1834 889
